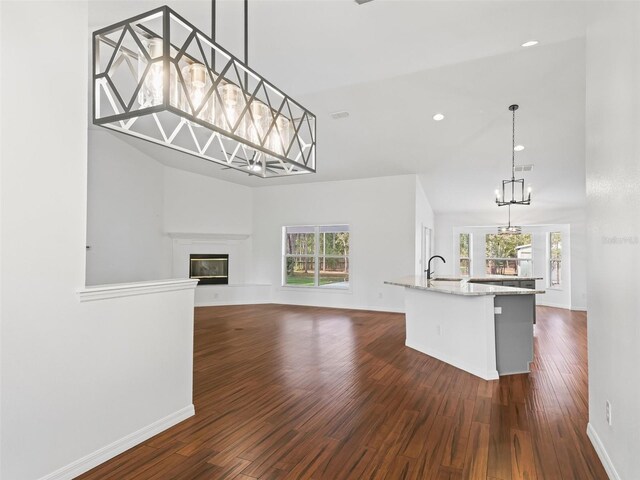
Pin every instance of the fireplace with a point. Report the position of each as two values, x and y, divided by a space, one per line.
209 268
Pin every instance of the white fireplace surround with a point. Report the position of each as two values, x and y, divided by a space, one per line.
238 246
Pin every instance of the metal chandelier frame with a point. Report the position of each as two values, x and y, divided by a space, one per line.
515 185
509 229
158 78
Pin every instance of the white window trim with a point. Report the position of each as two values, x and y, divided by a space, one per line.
530 259
470 257
316 260
550 286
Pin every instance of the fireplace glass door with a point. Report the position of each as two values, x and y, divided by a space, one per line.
209 268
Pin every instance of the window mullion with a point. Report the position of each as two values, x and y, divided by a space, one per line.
316 270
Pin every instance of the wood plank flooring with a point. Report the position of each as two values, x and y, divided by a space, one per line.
286 392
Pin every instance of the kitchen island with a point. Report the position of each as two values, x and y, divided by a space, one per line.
484 329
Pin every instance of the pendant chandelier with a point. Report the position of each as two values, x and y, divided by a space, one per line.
159 78
509 229
513 190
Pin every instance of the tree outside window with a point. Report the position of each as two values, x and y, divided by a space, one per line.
465 254
316 256
509 255
555 259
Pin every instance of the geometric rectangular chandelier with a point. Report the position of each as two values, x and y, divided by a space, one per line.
159 78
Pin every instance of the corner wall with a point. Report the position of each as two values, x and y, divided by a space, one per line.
613 233
136 206
424 220
382 219
79 380
125 232
570 222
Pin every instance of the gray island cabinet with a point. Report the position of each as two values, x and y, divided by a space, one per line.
484 329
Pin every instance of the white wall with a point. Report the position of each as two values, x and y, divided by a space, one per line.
424 219
200 204
75 376
125 220
381 215
536 221
613 235
2 69
197 204
136 203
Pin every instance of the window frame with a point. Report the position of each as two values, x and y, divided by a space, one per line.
551 260
316 258
470 254
511 259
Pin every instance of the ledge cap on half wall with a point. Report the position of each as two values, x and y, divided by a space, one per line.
115 290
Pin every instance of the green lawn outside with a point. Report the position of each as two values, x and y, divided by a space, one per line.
300 280
307 280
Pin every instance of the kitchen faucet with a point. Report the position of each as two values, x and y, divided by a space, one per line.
428 270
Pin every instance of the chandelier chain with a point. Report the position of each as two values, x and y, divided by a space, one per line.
513 145
213 20
246 28
246 33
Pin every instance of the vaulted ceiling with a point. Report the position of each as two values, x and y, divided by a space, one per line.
393 64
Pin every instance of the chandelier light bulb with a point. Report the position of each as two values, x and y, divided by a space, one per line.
280 136
198 83
233 101
262 118
518 148
438 117
152 89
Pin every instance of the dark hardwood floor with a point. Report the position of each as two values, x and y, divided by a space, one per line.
302 392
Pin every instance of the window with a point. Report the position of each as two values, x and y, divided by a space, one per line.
316 256
509 255
465 254
555 259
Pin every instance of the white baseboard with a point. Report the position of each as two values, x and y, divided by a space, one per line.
456 362
103 454
602 453
225 303
554 305
327 305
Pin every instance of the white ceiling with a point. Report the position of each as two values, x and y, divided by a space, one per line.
393 64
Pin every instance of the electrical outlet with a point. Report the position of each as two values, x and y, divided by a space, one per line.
497 310
608 412
216 295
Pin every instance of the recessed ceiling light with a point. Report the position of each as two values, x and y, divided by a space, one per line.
518 148
438 116
530 43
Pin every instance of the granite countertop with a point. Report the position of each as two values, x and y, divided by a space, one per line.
501 278
489 278
455 286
